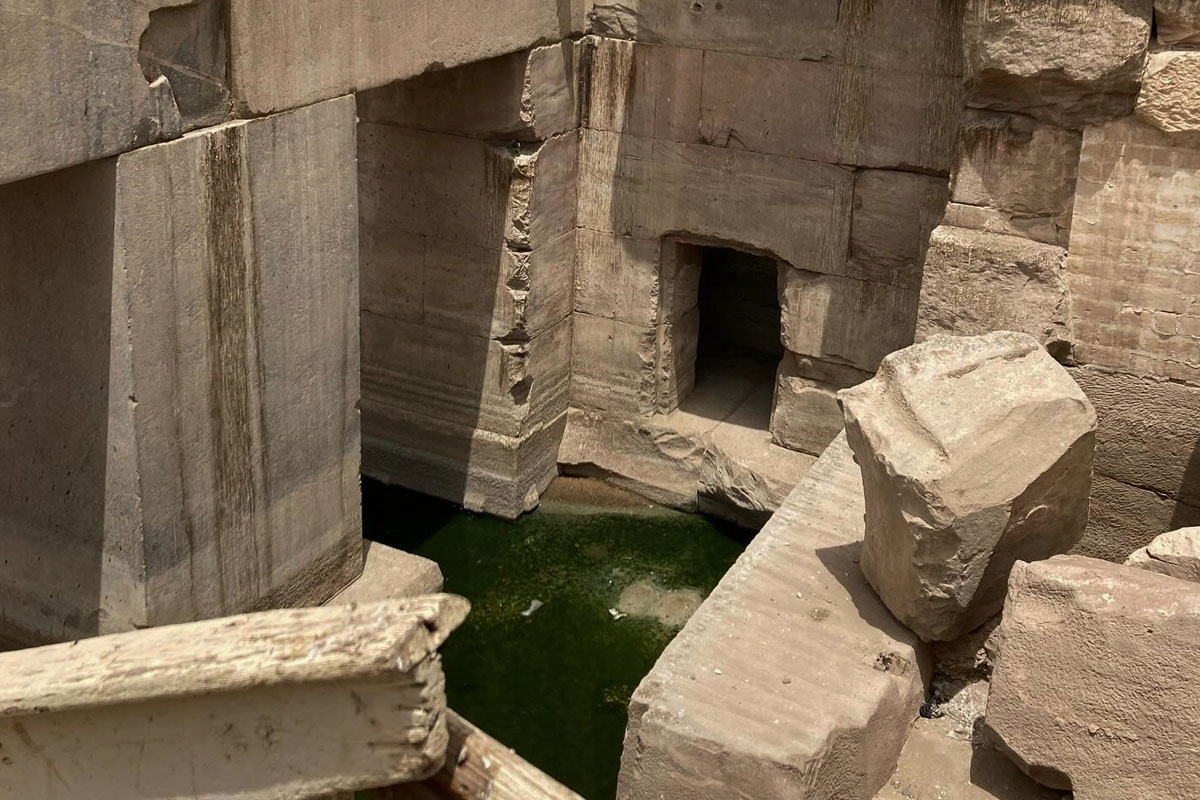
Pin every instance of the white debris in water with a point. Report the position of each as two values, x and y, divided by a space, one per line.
616 615
533 606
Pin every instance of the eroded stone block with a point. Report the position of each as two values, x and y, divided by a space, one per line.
894 213
978 282
1094 689
1176 554
1178 21
1068 64
1170 96
805 415
975 452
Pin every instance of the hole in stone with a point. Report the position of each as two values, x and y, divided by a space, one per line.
697 8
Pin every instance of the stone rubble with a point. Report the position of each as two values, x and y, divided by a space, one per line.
1176 554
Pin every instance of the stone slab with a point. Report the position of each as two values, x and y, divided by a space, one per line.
806 415
390 574
792 680
1178 22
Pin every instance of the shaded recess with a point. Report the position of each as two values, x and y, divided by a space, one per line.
188 47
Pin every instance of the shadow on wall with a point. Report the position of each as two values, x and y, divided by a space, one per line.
56 290
1187 512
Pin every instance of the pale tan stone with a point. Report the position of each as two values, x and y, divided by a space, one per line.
390 574
976 452
1070 64
1170 96
1015 175
805 415
613 365
644 90
1133 267
152 714
894 213
1123 518
1176 554
824 710
289 53
1094 687
74 89
1178 21
845 320
527 96
617 277
978 282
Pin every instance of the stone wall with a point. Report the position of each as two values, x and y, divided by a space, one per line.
1073 218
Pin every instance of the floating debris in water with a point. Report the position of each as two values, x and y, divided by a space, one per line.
616 615
534 605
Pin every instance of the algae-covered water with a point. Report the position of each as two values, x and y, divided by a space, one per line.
551 653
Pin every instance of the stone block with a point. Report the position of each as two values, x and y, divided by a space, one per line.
894 213
792 680
1094 689
390 574
644 90
1066 64
614 365
805 415
200 456
617 277
977 282
830 112
1170 96
527 96
1178 22
797 211
289 53
975 452
123 76
1176 554
1016 176
1123 518
1133 268
845 320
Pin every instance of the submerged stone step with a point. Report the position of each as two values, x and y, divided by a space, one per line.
792 680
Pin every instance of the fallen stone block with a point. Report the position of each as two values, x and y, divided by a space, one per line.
977 282
1170 96
792 680
1069 65
297 703
976 452
1178 21
1094 688
1176 554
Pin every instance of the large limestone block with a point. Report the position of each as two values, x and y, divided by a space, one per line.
288 53
1133 268
845 320
1123 517
617 277
1066 63
91 78
795 210
1014 175
975 452
805 415
978 282
1094 689
644 90
1170 96
894 213
792 680
180 411
1176 554
527 96
1178 21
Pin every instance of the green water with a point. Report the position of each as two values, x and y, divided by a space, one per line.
554 685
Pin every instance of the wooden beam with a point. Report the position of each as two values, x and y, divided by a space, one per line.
480 768
273 706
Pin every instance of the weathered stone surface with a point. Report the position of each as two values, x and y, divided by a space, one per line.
1133 268
795 210
1094 689
1123 518
824 710
617 277
110 91
526 96
390 574
1170 96
976 452
894 213
1069 64
289 53
644 90
978 282
1015 175
1178 21
805 415
845 320
1176 554
969 657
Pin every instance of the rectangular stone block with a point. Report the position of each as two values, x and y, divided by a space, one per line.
644 90
1133 268
798 211
88 79
1178 21
1123 518
978 282
200 458
1015 175
617 277
894 213
289 53
527 96
805 414
845 320
613 365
